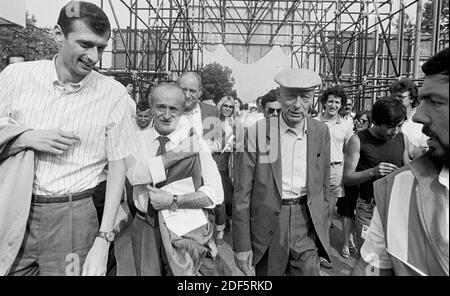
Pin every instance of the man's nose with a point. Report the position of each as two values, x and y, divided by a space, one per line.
420 116
93 54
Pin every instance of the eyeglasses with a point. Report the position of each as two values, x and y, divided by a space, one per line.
228 106
272 110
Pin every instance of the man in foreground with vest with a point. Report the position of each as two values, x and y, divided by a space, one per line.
409 229
161 160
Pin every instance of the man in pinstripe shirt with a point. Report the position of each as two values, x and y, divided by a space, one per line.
79 121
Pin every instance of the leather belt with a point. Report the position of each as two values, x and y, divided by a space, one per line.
50 199
295 201
335 163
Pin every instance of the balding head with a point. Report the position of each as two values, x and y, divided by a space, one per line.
167 107
191 84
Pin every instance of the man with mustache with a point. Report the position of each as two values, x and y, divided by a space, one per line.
79 122
409 230
162 151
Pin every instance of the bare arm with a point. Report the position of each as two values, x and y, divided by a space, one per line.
97 257
351 176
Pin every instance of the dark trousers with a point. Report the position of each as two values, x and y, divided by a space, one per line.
293 250
57 239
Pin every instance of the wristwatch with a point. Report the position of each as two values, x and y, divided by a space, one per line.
174 205
107 236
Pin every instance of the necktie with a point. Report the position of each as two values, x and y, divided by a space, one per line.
162 145
152 214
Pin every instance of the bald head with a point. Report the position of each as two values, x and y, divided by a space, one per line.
191 84
167 106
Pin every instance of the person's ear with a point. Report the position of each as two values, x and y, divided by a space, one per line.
58 35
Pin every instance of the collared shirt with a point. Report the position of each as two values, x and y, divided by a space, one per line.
144 167
374 251
96 110
293 159
340 133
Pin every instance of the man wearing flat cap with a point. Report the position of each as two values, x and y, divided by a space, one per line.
280 204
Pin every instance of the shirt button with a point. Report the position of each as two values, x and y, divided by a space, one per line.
271 232
277 213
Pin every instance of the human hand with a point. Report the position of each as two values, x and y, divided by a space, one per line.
52 141
243 261
97 257
159 199
384 168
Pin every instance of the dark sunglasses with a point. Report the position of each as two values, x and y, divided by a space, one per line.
362 121
272 110
228 106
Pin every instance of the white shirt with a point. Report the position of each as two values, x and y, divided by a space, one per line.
374 251
96 110
144 167
413 131
293 160
194 119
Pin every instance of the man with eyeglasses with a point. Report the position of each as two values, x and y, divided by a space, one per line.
169 152
340 132
270 105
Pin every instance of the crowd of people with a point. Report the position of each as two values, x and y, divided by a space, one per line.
273 173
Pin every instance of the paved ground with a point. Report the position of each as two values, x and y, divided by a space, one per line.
125 265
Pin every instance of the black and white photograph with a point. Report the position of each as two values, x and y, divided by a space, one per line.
227 139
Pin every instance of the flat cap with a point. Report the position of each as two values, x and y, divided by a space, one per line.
298 78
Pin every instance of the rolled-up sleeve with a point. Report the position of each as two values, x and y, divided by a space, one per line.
373 250
212 183
120 135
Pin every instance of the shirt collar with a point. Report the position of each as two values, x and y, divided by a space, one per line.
300 131
323 119
73 86
177 135
443 177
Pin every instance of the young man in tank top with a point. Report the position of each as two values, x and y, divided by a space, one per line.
372 154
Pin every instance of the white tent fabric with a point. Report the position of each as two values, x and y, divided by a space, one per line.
251 80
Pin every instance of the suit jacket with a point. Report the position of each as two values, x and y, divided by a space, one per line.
257 195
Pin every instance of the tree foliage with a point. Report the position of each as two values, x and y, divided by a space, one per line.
217 82
32 42
427 17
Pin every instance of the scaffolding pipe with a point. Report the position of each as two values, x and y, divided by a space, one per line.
416 60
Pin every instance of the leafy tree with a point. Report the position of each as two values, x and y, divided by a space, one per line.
427 17
217 82
32 42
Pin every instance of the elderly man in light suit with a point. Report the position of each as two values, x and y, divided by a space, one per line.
280 203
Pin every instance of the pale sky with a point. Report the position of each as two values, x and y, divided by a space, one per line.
261 72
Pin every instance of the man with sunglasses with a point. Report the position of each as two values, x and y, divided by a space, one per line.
168 149
270 105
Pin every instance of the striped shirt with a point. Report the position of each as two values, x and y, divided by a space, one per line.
96 110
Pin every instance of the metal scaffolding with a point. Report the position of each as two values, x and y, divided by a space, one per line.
360 44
